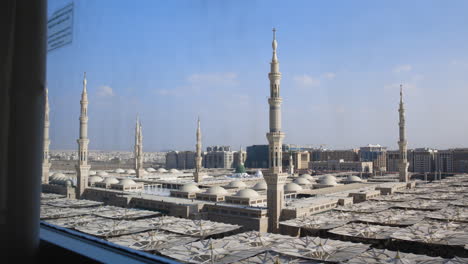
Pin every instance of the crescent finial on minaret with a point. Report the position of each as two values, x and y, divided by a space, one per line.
84 82
401 92
274 44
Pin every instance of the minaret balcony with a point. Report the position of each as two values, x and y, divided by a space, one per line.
275 100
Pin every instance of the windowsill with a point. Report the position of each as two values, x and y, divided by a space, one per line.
94 248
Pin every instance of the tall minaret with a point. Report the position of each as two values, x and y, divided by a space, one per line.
82 168
198 157
275 178
291 163
240 157
140 172
404 177
45 155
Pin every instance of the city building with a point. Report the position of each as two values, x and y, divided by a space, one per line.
257 156
460 160
341 165
181 160
423 160
443 160
375 153
326 154
393 160
300 159
219 157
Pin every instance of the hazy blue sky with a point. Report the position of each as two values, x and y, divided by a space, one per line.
342 62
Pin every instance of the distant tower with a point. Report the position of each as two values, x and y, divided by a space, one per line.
241 157
82 168
404 177
197 175
45 155
140 172
291 164
275 178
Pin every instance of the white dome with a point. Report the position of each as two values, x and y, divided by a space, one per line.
259 173
119 171
189 187
91 172
150 170
162 170
247 193
94 179
260 186
328 180
127 182
174 171
302 181
353 178
102 173
236 184
216 190
307 177
131 171
292 187
110 180
58 175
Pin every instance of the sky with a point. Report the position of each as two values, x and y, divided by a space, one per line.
342 62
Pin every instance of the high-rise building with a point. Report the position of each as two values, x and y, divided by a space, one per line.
393 160
82 168
341 165
45 154
219 157
460 160
300 159
257 156
275 178
423 160
325 154
444 161
375 153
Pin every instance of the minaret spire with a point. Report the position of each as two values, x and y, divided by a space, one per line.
403 166
82 168
275 178
140 172
198 157
45 158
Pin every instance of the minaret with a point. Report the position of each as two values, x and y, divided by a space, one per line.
404 177
82 168
140 172
275 178
197 175
241 157
45 155
291 164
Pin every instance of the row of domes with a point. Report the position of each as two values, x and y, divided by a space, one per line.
111 180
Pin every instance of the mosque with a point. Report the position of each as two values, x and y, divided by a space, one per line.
260 201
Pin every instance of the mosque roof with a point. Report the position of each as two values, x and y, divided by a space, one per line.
247 193
189 187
